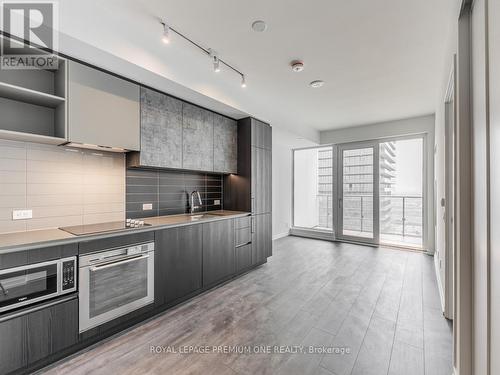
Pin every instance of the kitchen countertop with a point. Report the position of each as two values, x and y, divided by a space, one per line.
19 241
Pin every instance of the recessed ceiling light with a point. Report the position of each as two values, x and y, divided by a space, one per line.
259 26
317 83
297 66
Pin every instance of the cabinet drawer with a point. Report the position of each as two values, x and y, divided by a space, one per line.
243 236
243 257
242 222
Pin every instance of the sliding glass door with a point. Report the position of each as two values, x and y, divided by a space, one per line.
371 192
358 190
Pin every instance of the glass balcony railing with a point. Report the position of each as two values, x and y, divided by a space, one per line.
400 215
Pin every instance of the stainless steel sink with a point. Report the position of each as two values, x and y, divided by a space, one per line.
200 217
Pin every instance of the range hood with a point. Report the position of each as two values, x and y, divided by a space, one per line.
88 146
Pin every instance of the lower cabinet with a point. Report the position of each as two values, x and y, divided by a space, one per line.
31 337
13 353
243 257
218 251
262 244
178 259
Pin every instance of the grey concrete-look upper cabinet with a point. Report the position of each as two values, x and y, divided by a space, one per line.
225 145
161 130
103 109
197 138
180 135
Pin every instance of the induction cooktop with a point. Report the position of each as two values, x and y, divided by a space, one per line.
81 230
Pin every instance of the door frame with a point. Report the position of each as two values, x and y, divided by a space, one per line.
425 201
450 183
375 240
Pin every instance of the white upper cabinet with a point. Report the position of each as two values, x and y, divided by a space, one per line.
103 110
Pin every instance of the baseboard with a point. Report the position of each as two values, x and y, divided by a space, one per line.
318 235
281 235
440 284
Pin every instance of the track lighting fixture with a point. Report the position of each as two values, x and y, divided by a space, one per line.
214 57
166 33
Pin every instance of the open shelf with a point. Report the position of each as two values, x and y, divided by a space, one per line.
33 103
29 137
29 96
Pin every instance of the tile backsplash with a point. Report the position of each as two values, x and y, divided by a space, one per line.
61 185
168 191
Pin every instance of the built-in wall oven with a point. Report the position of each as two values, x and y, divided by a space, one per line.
115 282
25 285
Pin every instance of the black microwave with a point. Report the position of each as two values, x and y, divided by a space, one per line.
25 285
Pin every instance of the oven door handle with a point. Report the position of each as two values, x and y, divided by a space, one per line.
118 262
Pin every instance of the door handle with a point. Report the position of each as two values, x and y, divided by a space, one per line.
118 262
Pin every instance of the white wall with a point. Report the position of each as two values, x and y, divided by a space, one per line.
415 125
283 143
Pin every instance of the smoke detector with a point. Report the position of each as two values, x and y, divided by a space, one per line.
297 66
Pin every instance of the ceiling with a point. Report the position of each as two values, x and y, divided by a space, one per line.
381 59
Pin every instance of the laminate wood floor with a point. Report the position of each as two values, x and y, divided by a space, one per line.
380 305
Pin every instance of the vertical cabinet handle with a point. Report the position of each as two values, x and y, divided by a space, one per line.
253 225
253 204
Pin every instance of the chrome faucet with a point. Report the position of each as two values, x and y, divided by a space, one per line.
198 196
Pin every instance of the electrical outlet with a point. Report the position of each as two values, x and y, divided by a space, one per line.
22 214
216 202
147 206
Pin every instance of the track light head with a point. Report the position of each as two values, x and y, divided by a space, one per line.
216 64
166 33
243 81
215 60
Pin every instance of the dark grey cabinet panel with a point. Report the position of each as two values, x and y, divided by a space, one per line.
29 338
197 138
21 258
51 329
251 190
225 145
39 330
64 325
218 251
102 109
178 259
261 180
261 238
13 345
261 134
242 236
242 222
161 130
243 257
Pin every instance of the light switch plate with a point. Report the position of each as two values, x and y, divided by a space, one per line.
147 206
216 202
22 214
